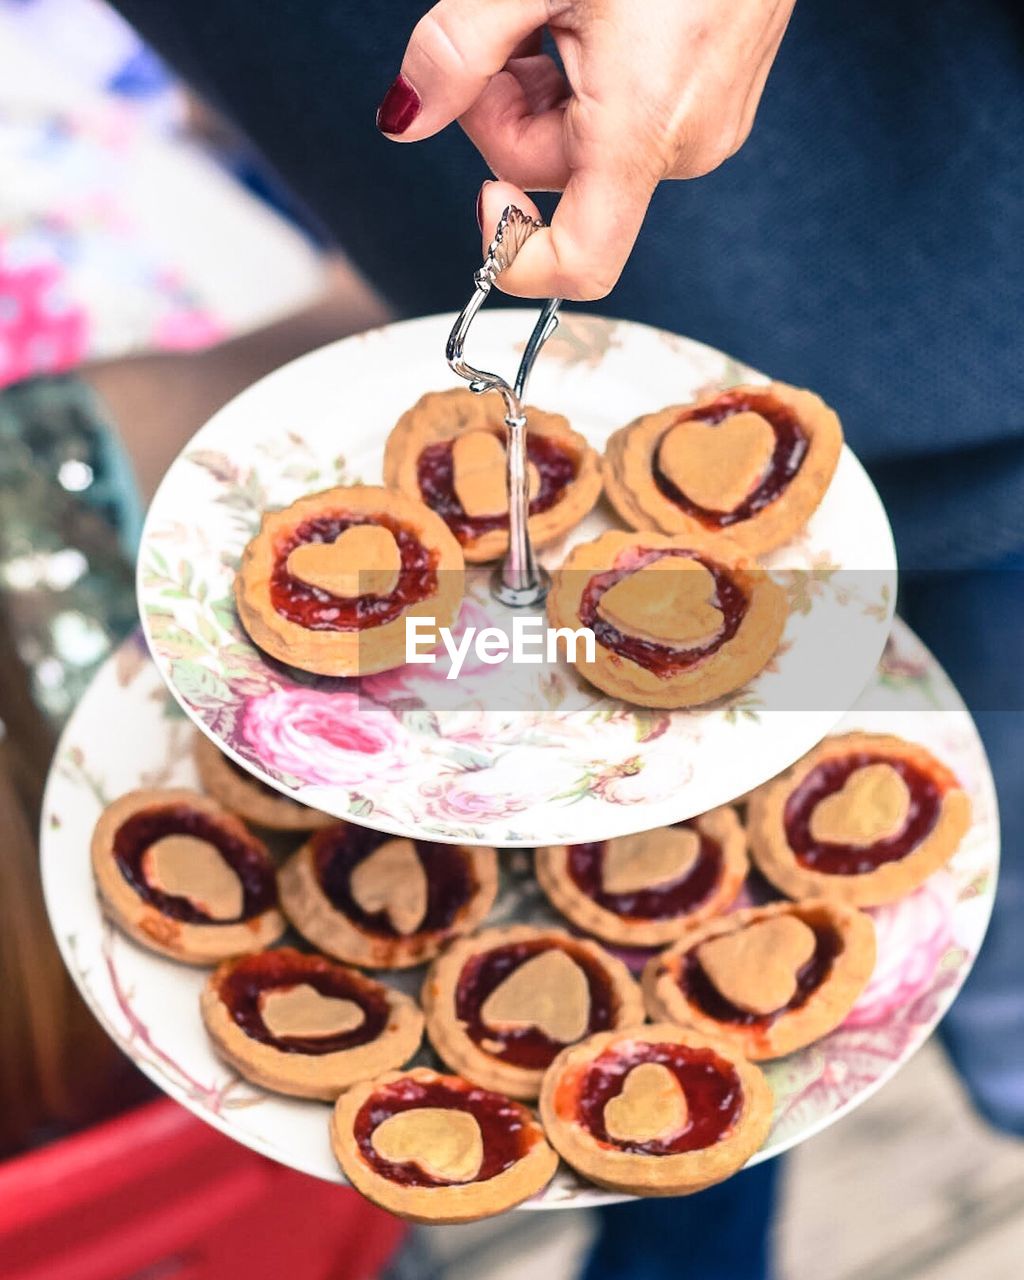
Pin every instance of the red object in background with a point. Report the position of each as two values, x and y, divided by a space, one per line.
158 1195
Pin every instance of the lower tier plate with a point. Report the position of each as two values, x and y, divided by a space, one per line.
128 732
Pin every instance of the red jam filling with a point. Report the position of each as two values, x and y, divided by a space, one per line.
701 991
556 467
318 610
659 902
338 850
507 1129
711 1085
661 659
829 777
279 970
525 1047
246 858
790 449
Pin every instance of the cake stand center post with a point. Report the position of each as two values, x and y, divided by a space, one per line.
520 582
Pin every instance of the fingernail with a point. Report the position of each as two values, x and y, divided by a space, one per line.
400 107
480 203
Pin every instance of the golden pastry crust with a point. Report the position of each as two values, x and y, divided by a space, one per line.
313 914
721 825
628 470
444 415
775 858
306 1075
639 1173
198 944
823 1011
722 672
465 1202
356 652
247 797
448 1034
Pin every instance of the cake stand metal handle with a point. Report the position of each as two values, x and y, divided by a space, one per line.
520 582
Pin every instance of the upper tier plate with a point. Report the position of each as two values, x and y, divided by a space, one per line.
560 762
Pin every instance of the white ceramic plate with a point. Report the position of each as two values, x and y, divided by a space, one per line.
536 760
128 733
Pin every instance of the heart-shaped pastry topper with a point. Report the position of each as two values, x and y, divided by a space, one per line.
479 474
363 560
667 601
187 867
652 858
872 805
549 992
392 879
717 465
303 1011
445 1143
652 1105
756 968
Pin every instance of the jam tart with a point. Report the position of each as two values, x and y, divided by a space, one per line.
252 800
677 621
643 890
305 1025
753 462
435 1148
864 818
382 902
184 877
769 980
328 583
448 451
501 1005
655 1110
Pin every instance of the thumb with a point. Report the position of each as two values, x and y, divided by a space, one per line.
580 256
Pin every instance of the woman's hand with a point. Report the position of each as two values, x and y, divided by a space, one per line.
652 89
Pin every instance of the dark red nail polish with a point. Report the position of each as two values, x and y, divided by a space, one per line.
480 207
400 107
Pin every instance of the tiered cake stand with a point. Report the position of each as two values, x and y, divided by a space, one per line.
508 764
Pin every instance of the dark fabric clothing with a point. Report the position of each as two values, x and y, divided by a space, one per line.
867 241
720 1234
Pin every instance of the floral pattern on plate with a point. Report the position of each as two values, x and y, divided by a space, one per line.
565 762
149 1005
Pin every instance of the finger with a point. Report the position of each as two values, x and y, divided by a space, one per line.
709 147
453 52
581 255
517 125
495 198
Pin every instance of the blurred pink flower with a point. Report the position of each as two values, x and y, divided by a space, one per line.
41 329
325 739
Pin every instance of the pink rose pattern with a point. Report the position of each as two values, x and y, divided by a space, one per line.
458 799
324 739
907 994
404 682
912 936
